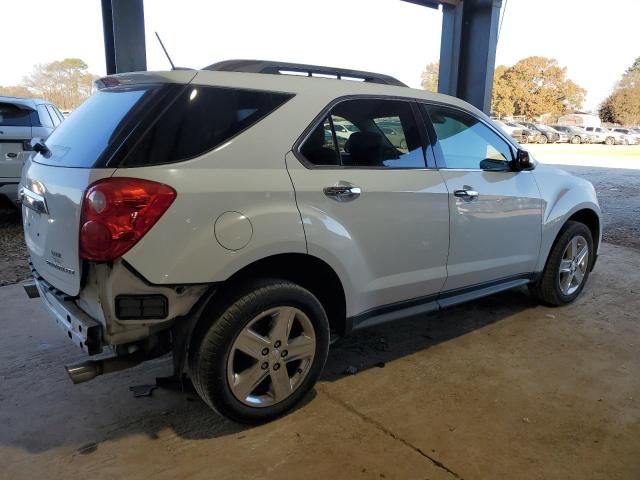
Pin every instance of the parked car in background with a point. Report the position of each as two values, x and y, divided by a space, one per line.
630 136
21 119
575 135
606 136
528 135
545 134
515 132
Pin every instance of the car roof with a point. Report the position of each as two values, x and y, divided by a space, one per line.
30 103
328 88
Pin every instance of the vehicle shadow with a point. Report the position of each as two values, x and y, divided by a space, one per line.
85 415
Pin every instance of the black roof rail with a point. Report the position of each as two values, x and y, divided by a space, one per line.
276 68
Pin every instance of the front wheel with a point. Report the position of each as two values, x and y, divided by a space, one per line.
543 139
609 141
568 266
261 351
575 140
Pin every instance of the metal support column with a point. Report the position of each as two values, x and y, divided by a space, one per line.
468 50
123 27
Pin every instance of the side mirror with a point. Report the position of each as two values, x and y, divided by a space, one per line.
492 165
38 145
523 161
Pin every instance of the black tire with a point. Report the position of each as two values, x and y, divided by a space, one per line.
543 139
547 289
220 325
576 140
609 141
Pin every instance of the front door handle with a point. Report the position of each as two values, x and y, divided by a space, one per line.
466 194
343 192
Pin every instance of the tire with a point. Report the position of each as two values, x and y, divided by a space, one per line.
242 321
524 139
576 140
549 289
543 139
609 141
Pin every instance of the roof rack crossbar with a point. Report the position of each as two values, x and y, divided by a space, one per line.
277 68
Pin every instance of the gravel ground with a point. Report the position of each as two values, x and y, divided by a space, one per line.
618 191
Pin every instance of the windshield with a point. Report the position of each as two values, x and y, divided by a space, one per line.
82 139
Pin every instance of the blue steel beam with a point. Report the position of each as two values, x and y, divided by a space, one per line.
468 50
123 28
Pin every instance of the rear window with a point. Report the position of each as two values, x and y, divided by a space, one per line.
200 119
12 116
151 124
90 133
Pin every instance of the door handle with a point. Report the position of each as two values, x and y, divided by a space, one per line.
343 192
466 194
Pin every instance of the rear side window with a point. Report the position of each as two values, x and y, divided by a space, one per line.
54 117
367 133
200 119
12 116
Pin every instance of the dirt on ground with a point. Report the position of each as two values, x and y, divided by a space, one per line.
13 262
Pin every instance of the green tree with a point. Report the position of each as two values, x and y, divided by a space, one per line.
66 83
533 86
623 105
430 77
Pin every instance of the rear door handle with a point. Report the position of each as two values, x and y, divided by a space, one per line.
343 192
466 194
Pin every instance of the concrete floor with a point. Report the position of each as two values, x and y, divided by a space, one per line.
499 388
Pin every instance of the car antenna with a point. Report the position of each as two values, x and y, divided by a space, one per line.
173 67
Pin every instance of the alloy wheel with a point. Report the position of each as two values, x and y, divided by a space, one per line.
271 356
573 265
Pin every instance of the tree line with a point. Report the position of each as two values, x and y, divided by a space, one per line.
66 83
539 85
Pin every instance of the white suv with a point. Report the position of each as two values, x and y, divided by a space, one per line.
21 119
213 214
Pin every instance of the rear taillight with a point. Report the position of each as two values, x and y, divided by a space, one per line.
117 212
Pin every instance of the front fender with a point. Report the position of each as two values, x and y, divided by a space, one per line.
563 195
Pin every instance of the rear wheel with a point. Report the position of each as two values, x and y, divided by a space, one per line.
575 140
568 266
609 141
261 351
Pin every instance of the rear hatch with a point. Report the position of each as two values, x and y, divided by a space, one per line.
82 150
15 133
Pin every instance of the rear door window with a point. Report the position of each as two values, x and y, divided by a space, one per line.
369 133
12 116
200 119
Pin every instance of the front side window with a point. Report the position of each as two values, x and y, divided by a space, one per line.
465 142
369 133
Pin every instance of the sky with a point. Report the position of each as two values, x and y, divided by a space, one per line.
594 39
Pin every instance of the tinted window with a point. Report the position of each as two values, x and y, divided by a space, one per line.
319 148
466 142
371 133
54 117
200 119
81 139
45 118
12 116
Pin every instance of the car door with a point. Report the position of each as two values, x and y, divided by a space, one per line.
496 213
371 209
